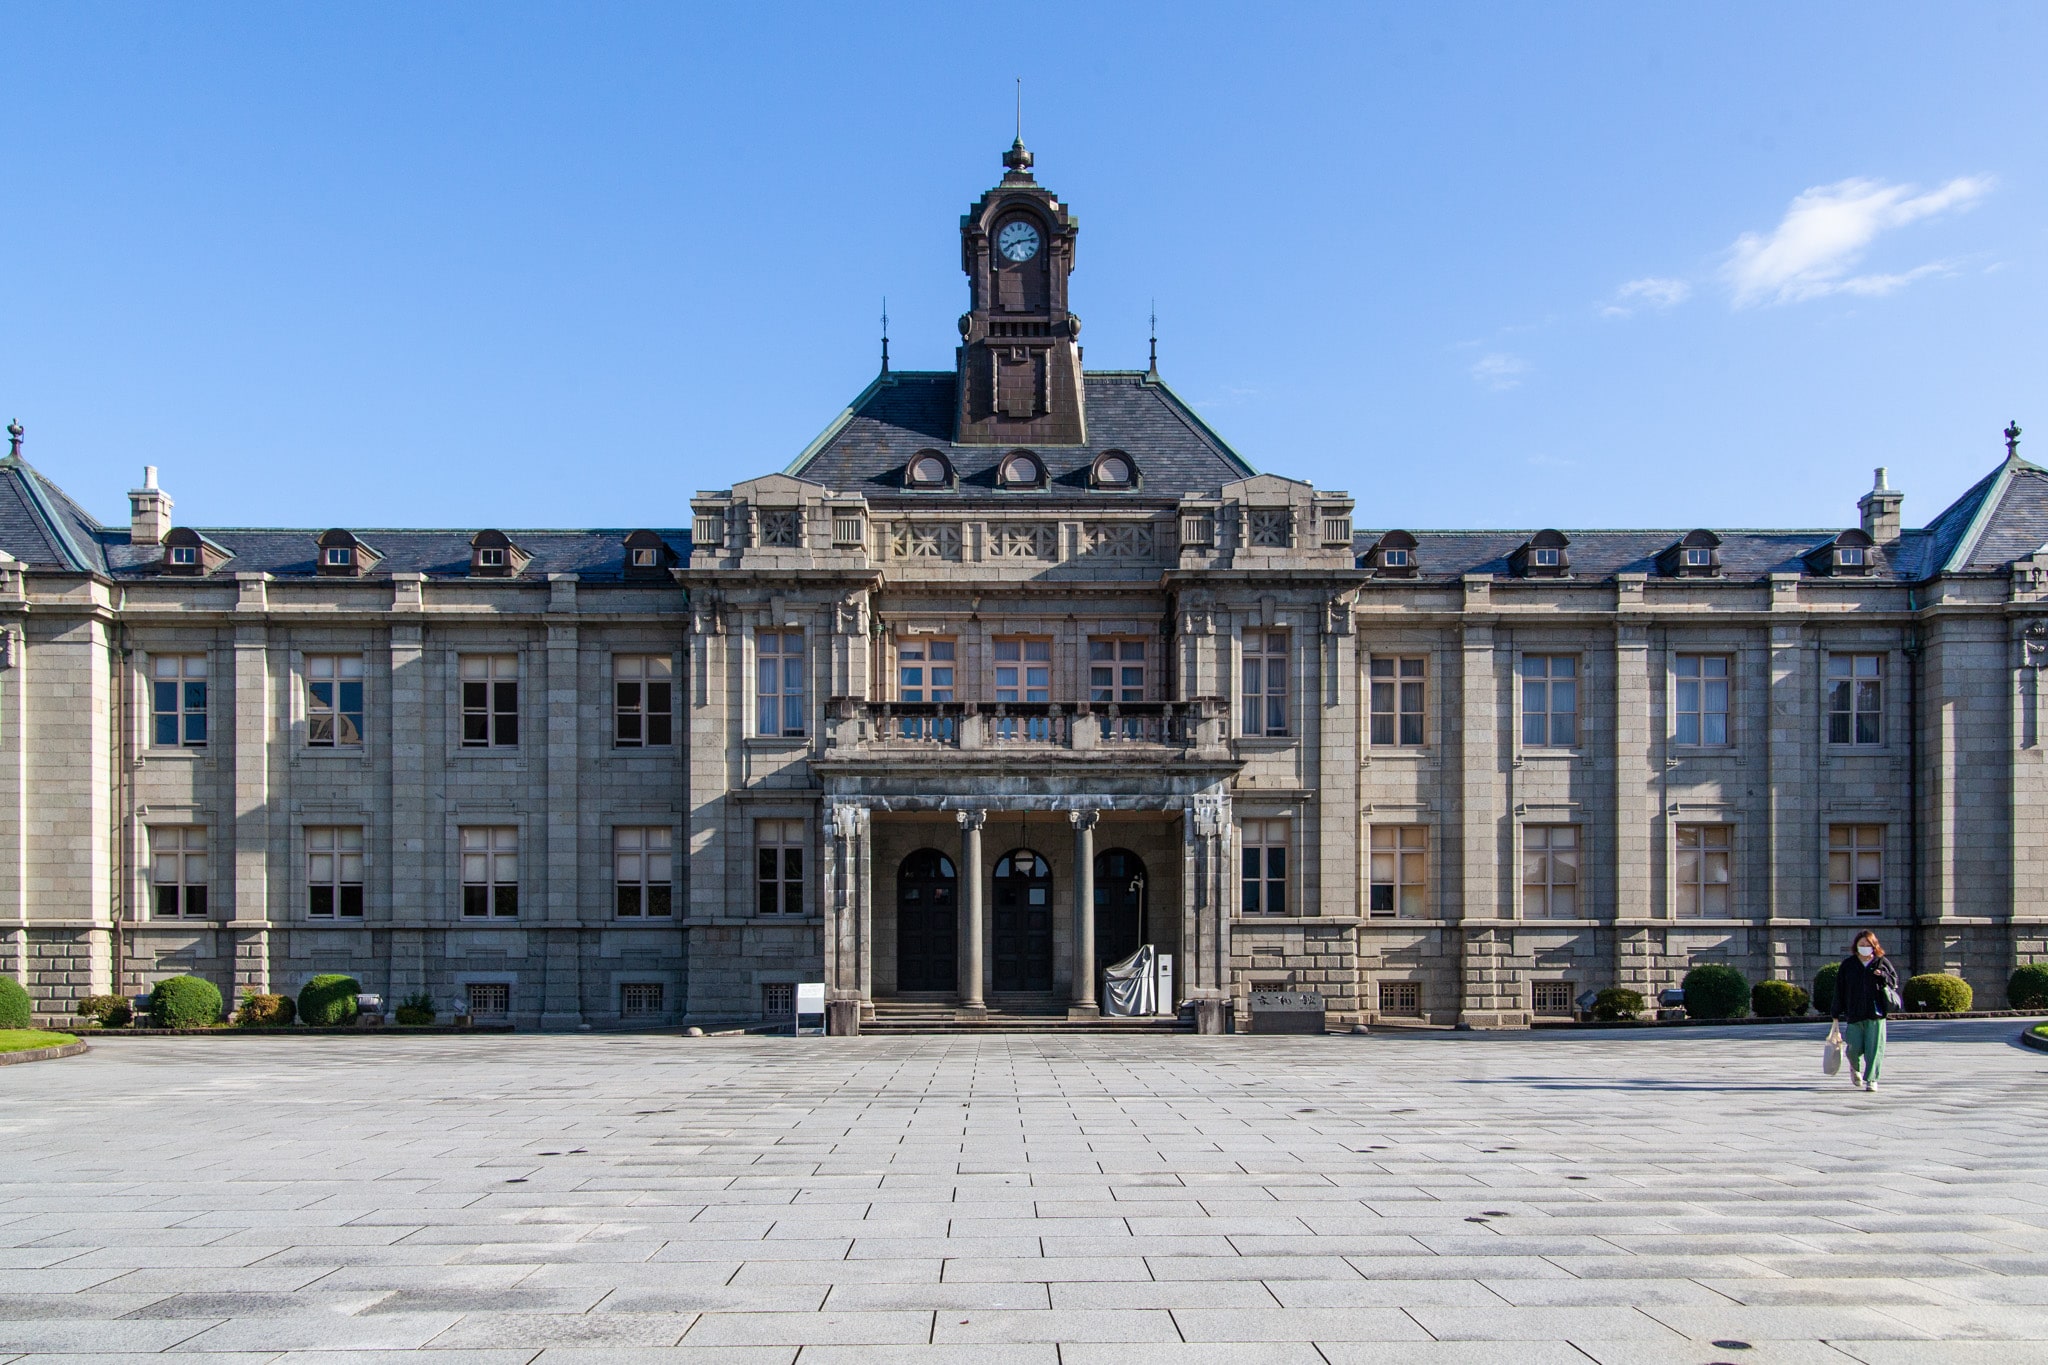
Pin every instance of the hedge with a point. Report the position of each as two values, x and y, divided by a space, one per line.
1715 991
1777 1000
184 1002
329 999
258 1010
1938 993
1824 988
108 1011
2028 989
1617 1003
417 1008
16 1009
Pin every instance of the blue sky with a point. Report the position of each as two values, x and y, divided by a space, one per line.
1483 265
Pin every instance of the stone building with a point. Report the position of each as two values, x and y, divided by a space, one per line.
1004 641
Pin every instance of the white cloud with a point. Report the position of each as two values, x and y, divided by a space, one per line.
1824 234
1653 292
1499 370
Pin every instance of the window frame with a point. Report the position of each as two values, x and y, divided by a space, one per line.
782 683
643 866
642 673
1264 847
1851 687
781 881
1551 883
183 711
1539 989
1405 850
347 669
471 991
1397 686
1702 683
1693 841
1264 711
333 844
491 721
652 1005
1852 886
1550 680
188 849
1387 997
496 897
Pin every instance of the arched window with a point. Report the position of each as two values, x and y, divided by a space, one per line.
1021 469
929 469
1114 470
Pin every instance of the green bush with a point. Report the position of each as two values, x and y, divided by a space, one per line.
328 999
1938 993
1715 991
417 1008
184 1002
261 1010
108 1011
1617 1003
1824 988
2028 989
16 1009
1777 1000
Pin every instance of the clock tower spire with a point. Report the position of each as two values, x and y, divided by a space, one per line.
1019 360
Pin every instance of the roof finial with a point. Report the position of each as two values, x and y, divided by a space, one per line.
14 434
1155 336
1017 160
2012 439
1020 111
885 334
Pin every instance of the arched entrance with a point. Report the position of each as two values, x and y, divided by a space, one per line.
927 923
1121 890
1021 923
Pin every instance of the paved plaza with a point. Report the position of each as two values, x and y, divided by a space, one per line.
1678 1196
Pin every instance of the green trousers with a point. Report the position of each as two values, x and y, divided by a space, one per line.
1864 1043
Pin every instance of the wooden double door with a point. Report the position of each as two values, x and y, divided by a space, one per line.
1020 923
927 923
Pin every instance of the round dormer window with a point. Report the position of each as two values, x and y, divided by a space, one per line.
1114 471
928 471
1021 471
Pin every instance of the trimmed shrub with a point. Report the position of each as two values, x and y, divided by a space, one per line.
329 999
417 1008
184 1002
1824 987
261 1010
1617 1003
108 1011
1715 991
16 1009
1777 1000
2028 989
1938 993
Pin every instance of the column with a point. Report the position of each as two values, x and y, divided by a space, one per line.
1484 808
407 897
1084 1003
562 941
248 936
971 968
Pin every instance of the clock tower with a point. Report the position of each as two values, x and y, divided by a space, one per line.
1019 362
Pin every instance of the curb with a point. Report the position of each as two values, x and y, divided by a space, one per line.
1753 1021
2029 1038
43 1054
299 1031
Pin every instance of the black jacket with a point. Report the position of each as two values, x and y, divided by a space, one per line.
1860 990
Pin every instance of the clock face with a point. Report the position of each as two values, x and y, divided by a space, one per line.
1018 240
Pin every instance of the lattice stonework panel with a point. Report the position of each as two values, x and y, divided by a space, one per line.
1023 540
1268 530
782 530
1115 540
909 540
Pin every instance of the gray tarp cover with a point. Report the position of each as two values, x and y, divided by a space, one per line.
1132 986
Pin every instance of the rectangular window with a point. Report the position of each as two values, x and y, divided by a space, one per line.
1265 867
643 870
1703 870
1545 559
641 999
1116 674
1550 701
178 697
1698 559
1702 698
338 555
780 696
177 868
924 670
1401 998
334 871
1855 698
1400 860
489 999
1265 683
1397 700
184 554
490 871
1023 670
1394 559
778 1000
1550 871
1856 869
1551 997
334 701
779 867
643 701
490 559
490 700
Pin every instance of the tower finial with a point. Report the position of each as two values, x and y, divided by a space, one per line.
14 435
885 334
1020 111
1017 161
2012 439
1155 336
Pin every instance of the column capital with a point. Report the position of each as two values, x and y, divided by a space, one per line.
1085 819
971 819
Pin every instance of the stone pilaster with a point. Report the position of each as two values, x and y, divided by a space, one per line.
562 1005
1084 1002
972 965
249 840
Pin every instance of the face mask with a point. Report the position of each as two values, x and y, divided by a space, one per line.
1865 953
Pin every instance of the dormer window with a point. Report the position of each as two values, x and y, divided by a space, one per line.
1114 471
185 554
643 558
647 554
1021 469
490 559
928 469
1698 559
340 556
1393 556
493 555
1696 554
1395 559
1543 555
1544 558
1849 556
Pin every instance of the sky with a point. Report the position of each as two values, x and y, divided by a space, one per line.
521 265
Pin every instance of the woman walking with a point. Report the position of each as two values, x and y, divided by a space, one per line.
1866 989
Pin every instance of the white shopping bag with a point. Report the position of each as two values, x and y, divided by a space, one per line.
1831 1053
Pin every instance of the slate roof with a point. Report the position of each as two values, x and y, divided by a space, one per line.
41 526
867 447
1602 554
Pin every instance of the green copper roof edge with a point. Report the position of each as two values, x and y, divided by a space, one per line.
1187 411
1981 521
838 424
39 500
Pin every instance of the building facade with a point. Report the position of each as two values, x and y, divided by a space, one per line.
1016 668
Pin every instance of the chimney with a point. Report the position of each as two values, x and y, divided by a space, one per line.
149 511
1880 508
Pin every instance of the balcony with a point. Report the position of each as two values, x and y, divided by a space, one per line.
1106 727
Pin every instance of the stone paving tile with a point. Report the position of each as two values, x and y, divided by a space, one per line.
880 1327
1456 1353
